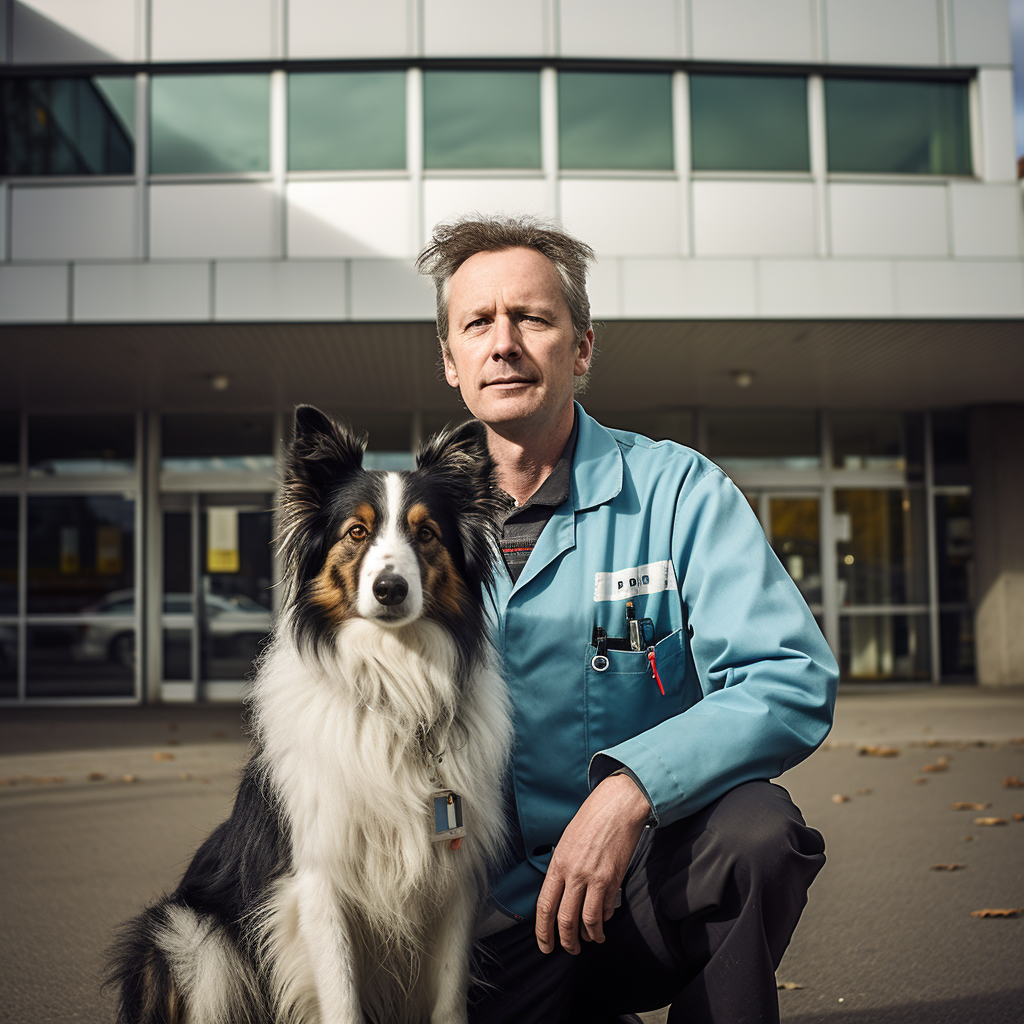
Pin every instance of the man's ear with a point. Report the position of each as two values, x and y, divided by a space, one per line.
450 373
584 353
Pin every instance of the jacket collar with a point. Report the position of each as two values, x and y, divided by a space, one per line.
597 467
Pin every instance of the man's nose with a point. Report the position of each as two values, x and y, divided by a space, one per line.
506 341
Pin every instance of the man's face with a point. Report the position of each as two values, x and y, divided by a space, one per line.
512 351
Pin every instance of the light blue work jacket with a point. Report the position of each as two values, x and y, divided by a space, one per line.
749 681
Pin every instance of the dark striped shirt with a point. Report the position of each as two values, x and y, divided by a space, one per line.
523 523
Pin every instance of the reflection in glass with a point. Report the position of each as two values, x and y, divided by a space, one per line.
880 648
954 548
81 552
951 448
795 538
878 441
481 119
749 123
203 124
217 444
52 126
10 444
956 643
740 441
345 121
89 660
8 555
615 121
59 445
881 543
8 660
897 127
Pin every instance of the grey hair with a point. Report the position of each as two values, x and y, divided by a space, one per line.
454 242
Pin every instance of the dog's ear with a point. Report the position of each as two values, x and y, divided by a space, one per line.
321 452
461 465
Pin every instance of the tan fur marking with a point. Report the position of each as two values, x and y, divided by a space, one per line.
342 561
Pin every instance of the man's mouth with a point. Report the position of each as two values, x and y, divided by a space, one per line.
509 380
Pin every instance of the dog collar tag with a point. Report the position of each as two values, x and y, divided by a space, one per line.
447 811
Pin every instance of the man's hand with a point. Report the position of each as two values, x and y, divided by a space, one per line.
589 863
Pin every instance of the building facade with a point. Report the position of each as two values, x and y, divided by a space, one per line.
809 234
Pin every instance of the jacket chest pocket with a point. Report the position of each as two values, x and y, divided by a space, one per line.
622 695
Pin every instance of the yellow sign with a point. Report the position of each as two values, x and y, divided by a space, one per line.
222 540
69 561
108 550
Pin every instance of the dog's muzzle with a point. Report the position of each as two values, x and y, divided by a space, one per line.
390 589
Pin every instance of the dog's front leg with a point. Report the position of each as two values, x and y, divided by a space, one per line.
322 926
451 960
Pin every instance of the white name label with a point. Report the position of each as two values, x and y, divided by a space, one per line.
644 579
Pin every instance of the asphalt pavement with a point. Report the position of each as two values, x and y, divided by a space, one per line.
101 809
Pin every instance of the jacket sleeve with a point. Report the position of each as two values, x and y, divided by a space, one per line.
768 679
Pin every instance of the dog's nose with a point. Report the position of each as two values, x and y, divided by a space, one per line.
389 588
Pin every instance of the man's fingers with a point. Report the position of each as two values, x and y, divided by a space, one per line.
547 908
595 912
569 919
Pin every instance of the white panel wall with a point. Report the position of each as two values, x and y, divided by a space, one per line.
390 290
445 198
981 32
295 290
74 31
604 286
826 288
350 218
782 30
986 219
349 28
212 29
73 223
142 292
882 31
749 218
33 294
623 218
213 221
485 28
685 288
998 149
609 28
965 288
888 220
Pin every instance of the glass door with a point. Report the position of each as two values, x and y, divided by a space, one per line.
217 575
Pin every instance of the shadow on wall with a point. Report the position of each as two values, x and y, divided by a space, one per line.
41 40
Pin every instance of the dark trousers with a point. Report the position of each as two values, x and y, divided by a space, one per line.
708 907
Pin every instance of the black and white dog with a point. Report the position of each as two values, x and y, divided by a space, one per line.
340 889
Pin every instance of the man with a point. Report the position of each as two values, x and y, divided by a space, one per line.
662 668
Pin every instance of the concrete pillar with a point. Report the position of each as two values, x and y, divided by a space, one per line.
997 499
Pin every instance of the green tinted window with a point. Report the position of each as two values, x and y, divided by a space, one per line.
67 126
481 119
749 123
897 127
616 121
347 121
210 124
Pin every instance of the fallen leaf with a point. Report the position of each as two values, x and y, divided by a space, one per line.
788 986
998 913
47 780
920 782
970 807
967 839
989 821
1018 817
876 751
96 776
6 782
185 776
947 867
940 765
863 792
129 778
1012 782
162 755
839 798
206 782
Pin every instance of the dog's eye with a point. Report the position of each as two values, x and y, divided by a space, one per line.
425 535
358 532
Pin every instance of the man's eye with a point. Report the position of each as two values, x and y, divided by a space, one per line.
358 532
